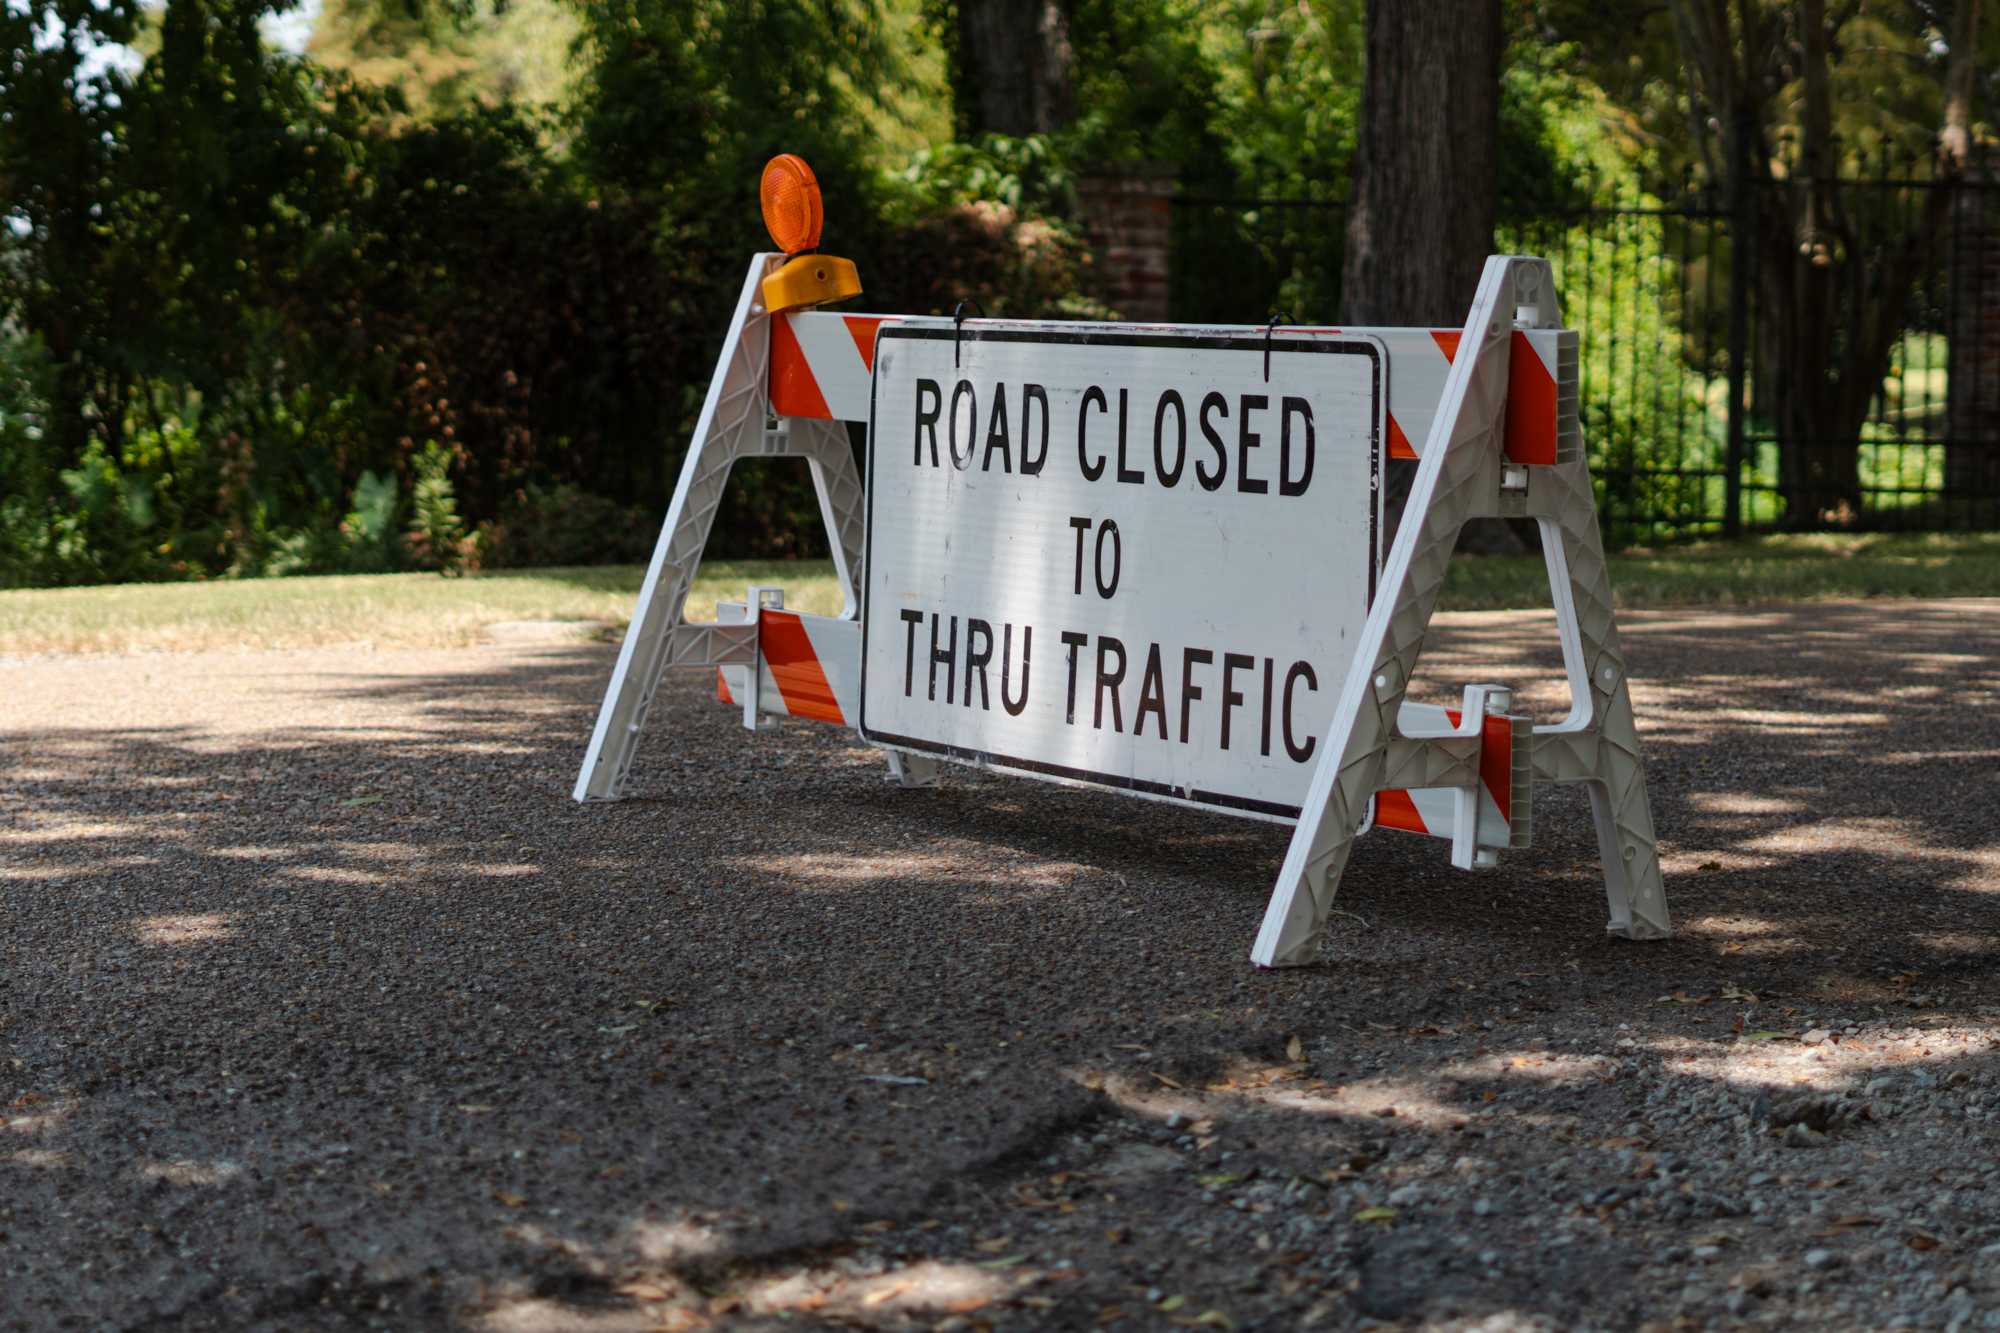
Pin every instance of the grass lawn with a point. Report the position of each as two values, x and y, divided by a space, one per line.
424 610
402 610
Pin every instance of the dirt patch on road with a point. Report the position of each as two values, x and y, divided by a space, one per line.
321 1005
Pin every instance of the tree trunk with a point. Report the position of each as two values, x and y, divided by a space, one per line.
1014 66
1421 210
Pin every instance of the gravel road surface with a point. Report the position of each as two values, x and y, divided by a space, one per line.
322 1006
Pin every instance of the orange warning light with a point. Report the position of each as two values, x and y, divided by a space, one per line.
789 194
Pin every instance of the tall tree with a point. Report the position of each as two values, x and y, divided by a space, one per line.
60 113
1835 266
1426 170
1015 67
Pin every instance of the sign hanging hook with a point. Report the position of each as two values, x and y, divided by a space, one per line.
1276 319
958 325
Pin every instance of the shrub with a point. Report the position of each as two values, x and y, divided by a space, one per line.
566 525
437 537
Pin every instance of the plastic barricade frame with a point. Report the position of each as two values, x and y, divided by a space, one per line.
1489 412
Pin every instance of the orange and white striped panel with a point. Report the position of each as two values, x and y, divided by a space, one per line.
821 365
1432 810
812 668
811 665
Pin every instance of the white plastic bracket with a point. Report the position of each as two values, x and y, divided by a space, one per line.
763 597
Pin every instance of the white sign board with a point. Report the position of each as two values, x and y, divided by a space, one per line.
1130 559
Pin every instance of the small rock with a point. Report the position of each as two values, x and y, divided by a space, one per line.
1816 1036
1821 1258
1706 1252
1141 1159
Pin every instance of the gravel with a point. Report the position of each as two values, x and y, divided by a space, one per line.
322 1006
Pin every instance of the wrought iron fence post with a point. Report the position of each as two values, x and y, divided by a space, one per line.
1742 244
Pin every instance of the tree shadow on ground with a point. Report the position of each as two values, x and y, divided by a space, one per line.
327 983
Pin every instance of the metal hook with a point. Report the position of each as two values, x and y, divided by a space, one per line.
1275 321
958 325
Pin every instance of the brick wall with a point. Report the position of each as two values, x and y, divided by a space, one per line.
1126 215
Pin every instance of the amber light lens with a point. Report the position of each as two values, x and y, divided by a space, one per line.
789 194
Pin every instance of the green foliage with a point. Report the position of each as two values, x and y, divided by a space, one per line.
1028 175
453 293
437 536
370 529
565 525
447 60
689 99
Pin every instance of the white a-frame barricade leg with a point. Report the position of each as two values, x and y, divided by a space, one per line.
1464 474
735 422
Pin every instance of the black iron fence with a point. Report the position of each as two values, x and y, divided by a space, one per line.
1782 356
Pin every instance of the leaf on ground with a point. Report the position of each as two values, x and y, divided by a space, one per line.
1171 1304
1163 1078
1295 1050
1214 1319
1220 1178
1005 1261
618 1031
1734 992
1922 1240
1767 1034
888 1293
995 1245
1379 1213
511 1200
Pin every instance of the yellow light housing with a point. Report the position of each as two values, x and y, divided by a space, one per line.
811 280
788 192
